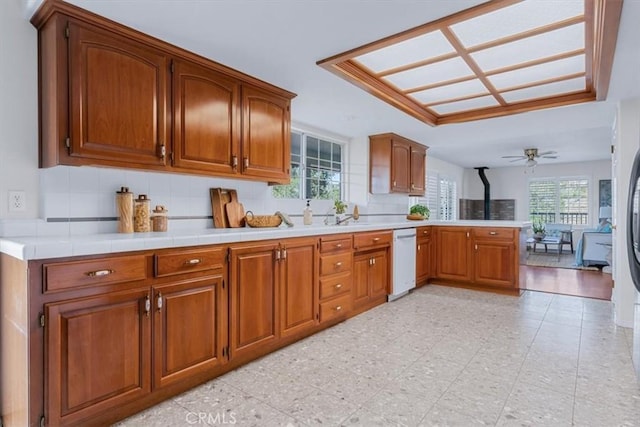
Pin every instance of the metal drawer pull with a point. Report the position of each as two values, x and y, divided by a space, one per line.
99 273
159 301
338 286
493 233
338 308
246 162
338 245
375 239
338 264
193 261
147 305
234 162
425 232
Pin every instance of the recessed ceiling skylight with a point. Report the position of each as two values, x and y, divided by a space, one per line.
502 57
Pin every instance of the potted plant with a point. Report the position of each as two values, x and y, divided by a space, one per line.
340 207
421 210
538 231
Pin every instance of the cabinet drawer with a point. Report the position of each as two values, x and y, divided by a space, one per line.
423 232
494 233
376 238
181 261
332 264
335 245
95 272
335 307
335 285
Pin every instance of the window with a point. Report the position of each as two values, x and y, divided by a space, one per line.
440 197
316 169
559 200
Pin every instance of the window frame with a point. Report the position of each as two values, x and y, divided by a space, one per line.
302 188
428 199
557 196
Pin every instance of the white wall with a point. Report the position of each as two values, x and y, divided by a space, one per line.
513 183
18 108
627 142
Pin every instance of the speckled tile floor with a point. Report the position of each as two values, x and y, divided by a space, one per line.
438 357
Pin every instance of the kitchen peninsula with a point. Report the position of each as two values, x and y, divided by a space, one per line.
102 326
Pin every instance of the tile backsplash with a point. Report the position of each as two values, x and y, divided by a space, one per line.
81 200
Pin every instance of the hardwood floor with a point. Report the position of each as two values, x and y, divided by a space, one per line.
582 283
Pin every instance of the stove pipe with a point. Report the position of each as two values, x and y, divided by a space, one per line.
487 192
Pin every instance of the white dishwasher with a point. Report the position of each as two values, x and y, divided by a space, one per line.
404 262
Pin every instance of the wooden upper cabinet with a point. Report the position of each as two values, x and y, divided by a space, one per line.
266 139
396 165
113 96
117 98
418 169
206 119
400 166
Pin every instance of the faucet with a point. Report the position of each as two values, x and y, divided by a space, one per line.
355 216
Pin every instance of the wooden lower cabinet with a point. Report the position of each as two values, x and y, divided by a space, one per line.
273 293
494 263
483 257
299 286
453 254
97 353
424 256
370 276
189 330
253 282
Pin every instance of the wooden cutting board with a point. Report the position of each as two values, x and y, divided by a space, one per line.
235 211
219 198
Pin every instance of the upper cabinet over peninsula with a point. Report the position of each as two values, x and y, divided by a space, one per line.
112 96
396 165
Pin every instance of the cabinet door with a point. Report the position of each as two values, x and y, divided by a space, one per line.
97 353
400 161
253 286
206 119
189 329
299 286
361 265
266 137
418 167
453 253
379 274
423 260
118 98
494 263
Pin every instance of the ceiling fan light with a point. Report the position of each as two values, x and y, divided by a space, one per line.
531 163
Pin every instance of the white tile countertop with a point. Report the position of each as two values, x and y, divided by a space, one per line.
31 248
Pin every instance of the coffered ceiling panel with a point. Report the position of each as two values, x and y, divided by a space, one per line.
501 57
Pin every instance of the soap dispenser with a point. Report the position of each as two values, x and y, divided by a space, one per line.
307 215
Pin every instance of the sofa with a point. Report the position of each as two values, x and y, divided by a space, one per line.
595 245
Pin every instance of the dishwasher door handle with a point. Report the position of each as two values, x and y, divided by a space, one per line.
406 236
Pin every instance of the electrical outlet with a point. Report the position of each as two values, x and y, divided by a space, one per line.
17 201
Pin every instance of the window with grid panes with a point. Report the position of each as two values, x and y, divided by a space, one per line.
316 169
559 200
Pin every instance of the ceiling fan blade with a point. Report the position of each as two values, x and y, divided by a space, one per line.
546 152
517 160
514 157
549 157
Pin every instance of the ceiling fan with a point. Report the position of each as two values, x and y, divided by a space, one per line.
530 155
